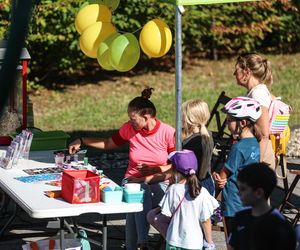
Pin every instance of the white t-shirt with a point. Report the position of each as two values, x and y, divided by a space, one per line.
261 94
184 229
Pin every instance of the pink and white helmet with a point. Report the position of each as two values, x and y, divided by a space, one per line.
243 108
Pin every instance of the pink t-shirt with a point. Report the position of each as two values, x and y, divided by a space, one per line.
148 147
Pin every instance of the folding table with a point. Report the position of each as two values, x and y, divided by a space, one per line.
31 197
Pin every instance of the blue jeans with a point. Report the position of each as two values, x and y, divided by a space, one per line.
209 184
137 227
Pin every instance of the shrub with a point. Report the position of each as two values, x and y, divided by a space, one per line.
265 26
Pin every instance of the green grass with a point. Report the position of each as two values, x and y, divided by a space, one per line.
101 106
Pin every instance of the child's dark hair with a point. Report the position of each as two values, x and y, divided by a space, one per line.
249 124
258 175
192 181
142 105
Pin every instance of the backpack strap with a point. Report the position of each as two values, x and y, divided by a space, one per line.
34 246
283 167
51 244
279 146
179 205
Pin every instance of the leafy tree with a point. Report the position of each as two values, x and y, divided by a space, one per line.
218 30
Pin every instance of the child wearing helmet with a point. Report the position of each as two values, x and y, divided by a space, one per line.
242 113
185 206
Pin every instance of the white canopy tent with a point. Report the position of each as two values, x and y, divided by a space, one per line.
178 53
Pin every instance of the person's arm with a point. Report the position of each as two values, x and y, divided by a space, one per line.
155 178
207 230
100 143
146 170
262 127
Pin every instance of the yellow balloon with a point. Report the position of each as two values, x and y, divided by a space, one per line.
90 14
93 36
155 38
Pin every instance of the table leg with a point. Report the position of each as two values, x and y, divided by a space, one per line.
10 219
62 234
68 226
104 232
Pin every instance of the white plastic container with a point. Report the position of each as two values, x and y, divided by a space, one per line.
132 187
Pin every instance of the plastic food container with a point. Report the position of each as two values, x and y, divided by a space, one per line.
132 187
113 196
133 196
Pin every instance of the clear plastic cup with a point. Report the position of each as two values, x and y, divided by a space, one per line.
59 160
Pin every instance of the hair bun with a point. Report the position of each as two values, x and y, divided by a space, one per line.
146 93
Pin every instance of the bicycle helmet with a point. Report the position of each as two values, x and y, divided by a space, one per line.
243 108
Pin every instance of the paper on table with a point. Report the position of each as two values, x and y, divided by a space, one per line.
39 177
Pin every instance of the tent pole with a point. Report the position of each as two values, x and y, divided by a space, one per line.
178 76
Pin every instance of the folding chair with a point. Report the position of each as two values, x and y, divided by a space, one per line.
215 114
287 202
222 139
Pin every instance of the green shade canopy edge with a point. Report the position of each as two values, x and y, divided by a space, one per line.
196 2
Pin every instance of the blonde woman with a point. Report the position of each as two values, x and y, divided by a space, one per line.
253 72
196 137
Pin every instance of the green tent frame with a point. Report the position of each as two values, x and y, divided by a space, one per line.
197 2
178 54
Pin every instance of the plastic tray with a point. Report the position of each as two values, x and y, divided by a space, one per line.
111 196
49 140
133 197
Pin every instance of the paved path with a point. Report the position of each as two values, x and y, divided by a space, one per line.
114 165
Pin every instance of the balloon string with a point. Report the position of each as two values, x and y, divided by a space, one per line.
138 29
159 16
121 31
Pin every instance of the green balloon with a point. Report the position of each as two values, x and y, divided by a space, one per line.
124 52
103 55
94 1
112 4
83 5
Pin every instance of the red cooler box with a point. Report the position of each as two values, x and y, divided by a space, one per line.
80 186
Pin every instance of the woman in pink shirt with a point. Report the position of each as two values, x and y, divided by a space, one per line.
150 142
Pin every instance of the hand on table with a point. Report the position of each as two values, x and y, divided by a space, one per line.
219 182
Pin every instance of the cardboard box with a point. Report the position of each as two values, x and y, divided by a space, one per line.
80 186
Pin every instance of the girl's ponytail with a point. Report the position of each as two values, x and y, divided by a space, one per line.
194 185
207 149
268 78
